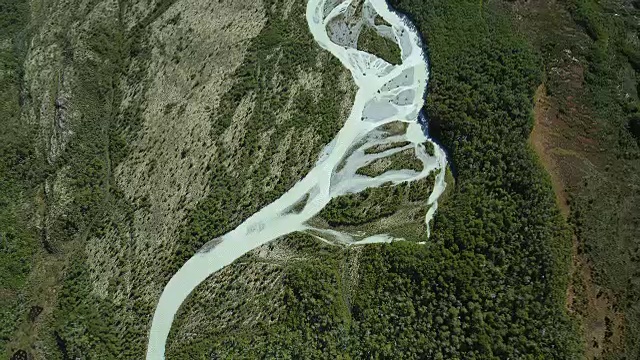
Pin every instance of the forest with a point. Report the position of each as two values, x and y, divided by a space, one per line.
20 169
502 244
382 47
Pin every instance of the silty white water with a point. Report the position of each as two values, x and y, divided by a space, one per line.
386 93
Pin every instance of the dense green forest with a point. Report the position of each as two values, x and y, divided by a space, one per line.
501 247
19 169
382 47
498 230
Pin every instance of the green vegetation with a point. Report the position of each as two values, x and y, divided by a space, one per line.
490 283
606 201
281 50
378 20
16 157
498 227
86 327
587 116
69 146
105 123
381 148
376 203
19 170
83 323
402 160
386 49
310 319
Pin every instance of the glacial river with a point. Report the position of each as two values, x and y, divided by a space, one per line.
386 93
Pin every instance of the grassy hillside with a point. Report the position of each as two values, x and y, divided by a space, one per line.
606 206
587 135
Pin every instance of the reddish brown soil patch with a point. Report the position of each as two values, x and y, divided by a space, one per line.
603 326
565 138
563 159
542 142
